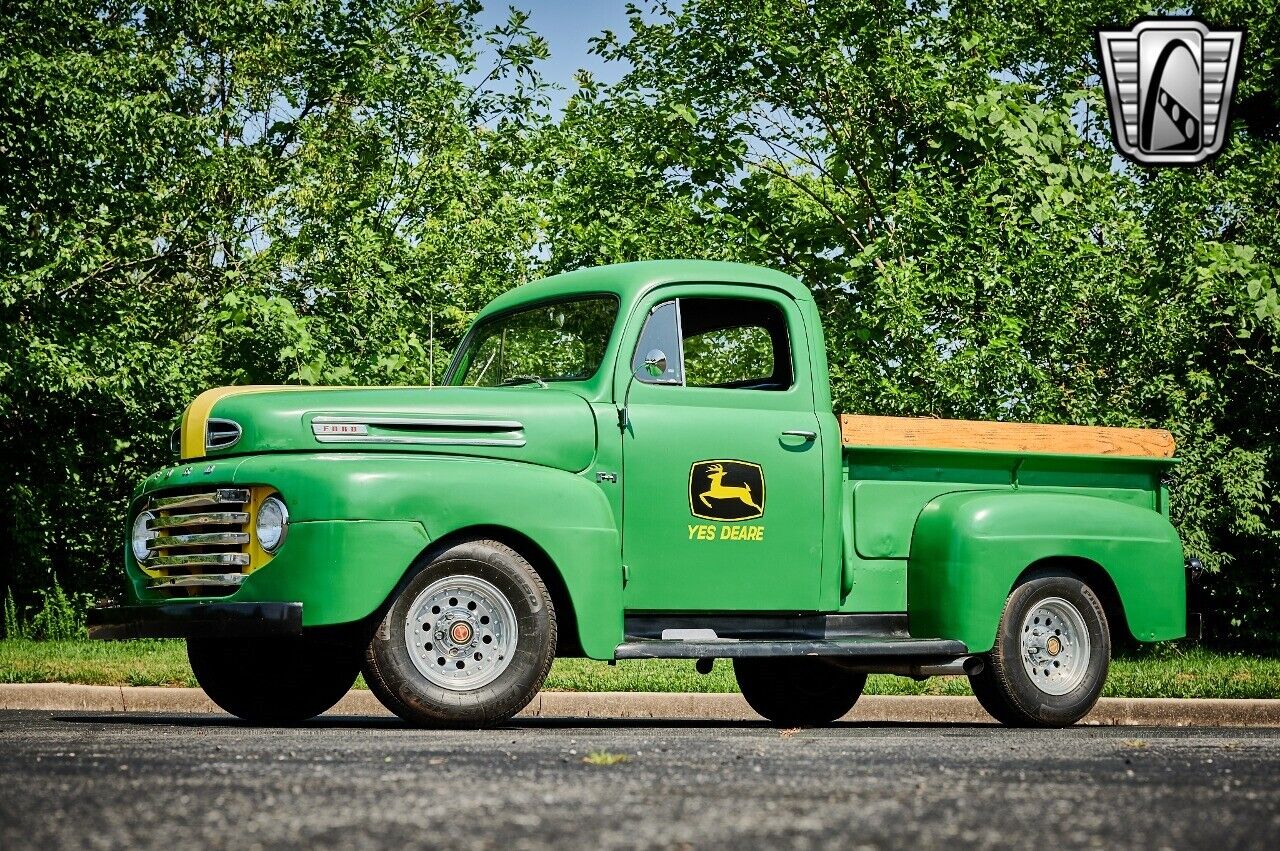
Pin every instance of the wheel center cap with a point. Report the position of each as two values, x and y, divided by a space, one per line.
1053 645
460 632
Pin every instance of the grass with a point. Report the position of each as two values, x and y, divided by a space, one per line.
105 663
1166 671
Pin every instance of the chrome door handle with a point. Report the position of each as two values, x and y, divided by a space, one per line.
807 435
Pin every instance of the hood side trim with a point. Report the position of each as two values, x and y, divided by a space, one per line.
511 431
420 441
424 422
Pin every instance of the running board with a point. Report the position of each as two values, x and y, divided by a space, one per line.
865 647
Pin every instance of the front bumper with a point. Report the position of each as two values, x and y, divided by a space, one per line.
341 571
196 620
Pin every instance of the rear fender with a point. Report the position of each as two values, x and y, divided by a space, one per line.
968 550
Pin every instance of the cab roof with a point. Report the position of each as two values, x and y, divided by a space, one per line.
631 280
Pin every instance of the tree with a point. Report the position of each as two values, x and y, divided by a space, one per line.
941 177
205 193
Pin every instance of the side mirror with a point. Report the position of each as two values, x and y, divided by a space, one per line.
655 362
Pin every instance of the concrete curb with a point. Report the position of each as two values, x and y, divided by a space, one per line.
1146 712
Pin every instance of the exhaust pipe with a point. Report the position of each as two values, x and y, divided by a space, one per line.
963 666
966 666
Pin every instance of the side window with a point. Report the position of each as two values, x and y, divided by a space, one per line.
657 356
728 356
735 343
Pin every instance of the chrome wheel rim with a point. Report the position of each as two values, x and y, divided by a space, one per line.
1055 646
461 633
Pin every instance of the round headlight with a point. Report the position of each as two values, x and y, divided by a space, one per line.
142 536
273 520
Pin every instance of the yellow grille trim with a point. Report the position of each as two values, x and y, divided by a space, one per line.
258 557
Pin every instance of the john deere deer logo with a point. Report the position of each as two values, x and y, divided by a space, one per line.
726 490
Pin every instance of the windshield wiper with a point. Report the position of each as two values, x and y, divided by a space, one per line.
522 379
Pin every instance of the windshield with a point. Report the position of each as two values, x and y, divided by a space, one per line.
563 341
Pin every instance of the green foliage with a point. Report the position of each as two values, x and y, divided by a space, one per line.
942 178
58 616
258 191
324 191
14 625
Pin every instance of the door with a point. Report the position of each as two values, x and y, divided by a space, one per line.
722 471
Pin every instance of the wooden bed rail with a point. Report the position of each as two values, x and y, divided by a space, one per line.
856 430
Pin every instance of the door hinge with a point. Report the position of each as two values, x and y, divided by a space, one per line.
626 575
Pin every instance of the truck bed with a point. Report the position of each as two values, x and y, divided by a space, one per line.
893 467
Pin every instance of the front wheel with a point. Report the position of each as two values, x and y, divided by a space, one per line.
274 680
1051 655
798 691
467 642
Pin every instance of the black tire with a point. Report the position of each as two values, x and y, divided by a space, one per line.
798 691
1006 688
397 681
274 680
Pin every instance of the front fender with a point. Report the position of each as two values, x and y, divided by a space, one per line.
565 514
968 549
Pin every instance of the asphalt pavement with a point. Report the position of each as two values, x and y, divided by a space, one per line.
114 780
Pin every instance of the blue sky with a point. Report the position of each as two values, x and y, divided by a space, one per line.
566 25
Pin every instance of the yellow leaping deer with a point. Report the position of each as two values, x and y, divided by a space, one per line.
718 490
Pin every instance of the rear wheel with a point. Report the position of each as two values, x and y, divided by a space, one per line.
1051 655
468 642
798 691
274 680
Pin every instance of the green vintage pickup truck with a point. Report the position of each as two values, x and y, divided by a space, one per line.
631 462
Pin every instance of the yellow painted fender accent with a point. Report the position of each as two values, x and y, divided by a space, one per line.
195 419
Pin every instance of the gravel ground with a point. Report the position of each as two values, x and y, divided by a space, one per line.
86 780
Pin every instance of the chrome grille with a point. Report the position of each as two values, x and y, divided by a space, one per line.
202 518
200 539
201 542
220 497
199 580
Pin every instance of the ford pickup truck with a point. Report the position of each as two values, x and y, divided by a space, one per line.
640 461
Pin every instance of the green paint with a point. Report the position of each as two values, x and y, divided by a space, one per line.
558 428
340 570
439 497
971 547
681 561
896 566
781 524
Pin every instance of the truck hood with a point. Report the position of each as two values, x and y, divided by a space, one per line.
547 426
